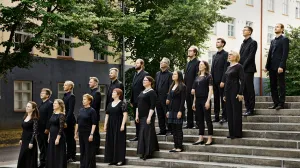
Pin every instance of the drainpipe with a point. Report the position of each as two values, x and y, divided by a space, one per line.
261 54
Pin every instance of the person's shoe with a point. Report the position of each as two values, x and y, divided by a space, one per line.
42 165
223 120
216 120
198 142
247 113
273 107
111 164
207 144
279 107
119 164
161 133
173 150
187 127
71 160
231 137
133 139
179 150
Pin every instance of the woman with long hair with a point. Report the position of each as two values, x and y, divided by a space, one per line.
234 87
85 127
29 152
202 90
115 127
175 101
56 154
147 140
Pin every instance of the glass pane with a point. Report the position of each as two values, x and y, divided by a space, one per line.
17 104
18 38
68 51
60 95
26 86
18 96
60 87
17 86
59 44
26 97
23 104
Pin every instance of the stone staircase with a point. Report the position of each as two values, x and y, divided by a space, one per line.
271 139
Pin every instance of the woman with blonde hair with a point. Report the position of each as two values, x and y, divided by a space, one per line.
56 155
234 86
29 152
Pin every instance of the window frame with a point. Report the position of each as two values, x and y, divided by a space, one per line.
271 5
285 7
270 35
251 23
100 55
22 109
210 56
64 39
23 34
297 10
231 25
104 94
59 92
250 2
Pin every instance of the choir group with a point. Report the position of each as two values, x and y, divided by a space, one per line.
53 129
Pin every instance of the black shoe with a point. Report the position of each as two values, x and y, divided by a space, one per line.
71 160
248 113
42 165
142 157
231 137
209 143
111 164
133 139
173 150
273 107
161 133
199 142
216 120
279 107
223 121
187 127
146 157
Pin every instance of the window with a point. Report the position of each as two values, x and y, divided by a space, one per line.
270 34
60 90
20 38
22 94
63 46
103 96
249 2
231 28
285 6
210 56
99 56
248 23
214 29
271 5
298 10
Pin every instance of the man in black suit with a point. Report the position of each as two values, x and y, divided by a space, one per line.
69 100
45 111
218 69
191 73
276 65
136 89
96 105
163 81
115 83
247 54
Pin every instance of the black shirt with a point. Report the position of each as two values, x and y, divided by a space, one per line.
201 86
234 78
86 118
219 66
69 100
45 111
96 103
116 111
146 101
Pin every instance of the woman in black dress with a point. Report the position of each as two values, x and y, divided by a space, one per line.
202 90
29 152
85 127
115 127
175 101
56 154
147 141
234 86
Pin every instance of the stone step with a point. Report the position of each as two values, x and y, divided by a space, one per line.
282 112
223 140
265 105
220 157
105 165
227 149
269 99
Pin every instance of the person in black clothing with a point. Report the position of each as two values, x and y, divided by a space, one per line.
29 150
163 82
46 110
147 142
203 90
276 65
218 69
189 78
69 101
115 127
96 105
85 127
115 83
136 88
175 101
247 52
234 87
56 154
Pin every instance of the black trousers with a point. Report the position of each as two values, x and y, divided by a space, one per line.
87 151
137 125
177 135
190 111
249 92
97 135
43 146
161 109
275 81
70 141
218 96
203 114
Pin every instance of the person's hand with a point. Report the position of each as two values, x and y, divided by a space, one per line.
193 91
76 136
48 140
20 142
280 70
179 114
148 120
167 102
207 105
105 129
56 141
131 104
46 131
122 128
167 115
240 97
30 146
265 70
137 120
224 98
91 137
194 107
222 84
65 125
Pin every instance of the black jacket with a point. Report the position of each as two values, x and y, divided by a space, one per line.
112 86
96 103
163 81
45 111
278 53
69 100
191 73
137 86
219 66
177 101
247 53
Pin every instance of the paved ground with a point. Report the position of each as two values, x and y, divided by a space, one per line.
9 156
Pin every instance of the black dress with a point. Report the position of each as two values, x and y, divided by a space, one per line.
115 144
234 85
56 154
147 141
28 157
